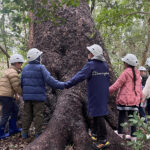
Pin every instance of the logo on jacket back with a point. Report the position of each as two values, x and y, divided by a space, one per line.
95 73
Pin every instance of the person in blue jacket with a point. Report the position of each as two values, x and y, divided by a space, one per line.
34 78
95 71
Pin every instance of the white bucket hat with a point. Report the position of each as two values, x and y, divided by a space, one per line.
130 59
97 51
33 54
141 68
16 58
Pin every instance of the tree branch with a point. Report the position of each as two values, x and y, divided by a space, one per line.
93 6
4 51
139 12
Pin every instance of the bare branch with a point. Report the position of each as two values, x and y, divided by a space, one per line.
4 51
145 13
93 6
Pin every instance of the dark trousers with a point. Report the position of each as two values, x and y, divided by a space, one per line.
9 109
99 128
142 112
33 111
121 119
148 106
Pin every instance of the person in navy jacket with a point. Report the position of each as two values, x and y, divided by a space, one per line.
95 71
34 78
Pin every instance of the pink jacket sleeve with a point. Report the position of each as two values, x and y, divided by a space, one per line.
118 84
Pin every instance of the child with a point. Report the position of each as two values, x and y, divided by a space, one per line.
146 90
144 78
9 87
129 90
96 73
143 75
33 79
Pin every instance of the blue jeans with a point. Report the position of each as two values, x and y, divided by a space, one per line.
9 109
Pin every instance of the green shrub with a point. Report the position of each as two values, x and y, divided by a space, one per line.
143 129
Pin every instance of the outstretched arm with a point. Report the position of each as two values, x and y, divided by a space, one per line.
51 81
118 84
83 74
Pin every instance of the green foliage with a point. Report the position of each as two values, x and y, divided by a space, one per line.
123 27
143 129
120 23
14 20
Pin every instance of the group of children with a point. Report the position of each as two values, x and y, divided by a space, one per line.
35 76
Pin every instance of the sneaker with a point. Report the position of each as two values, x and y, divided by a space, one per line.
24 136
36 135
120 135
100 145
127 137
93 136
133 138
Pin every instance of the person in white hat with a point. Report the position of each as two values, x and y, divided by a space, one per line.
95 71
144 77
34 78
10 87
143 73
129 90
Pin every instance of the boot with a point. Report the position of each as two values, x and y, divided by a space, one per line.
24 135
2 133
13 127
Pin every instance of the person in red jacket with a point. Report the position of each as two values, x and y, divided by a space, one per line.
129 90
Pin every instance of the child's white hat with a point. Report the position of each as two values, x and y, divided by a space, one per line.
141 68
16 58
33 54
130 59
95 49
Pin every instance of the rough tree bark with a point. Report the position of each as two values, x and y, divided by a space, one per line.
65 53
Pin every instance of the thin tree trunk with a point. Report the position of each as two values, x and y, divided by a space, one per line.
4 51
4 39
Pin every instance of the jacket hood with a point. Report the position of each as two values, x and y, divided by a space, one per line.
99 57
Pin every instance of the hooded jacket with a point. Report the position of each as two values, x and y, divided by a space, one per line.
10 82
125 87
97 76
34 78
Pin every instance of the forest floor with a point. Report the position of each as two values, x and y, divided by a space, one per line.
15 142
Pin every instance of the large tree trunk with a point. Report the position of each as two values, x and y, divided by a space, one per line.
65 53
